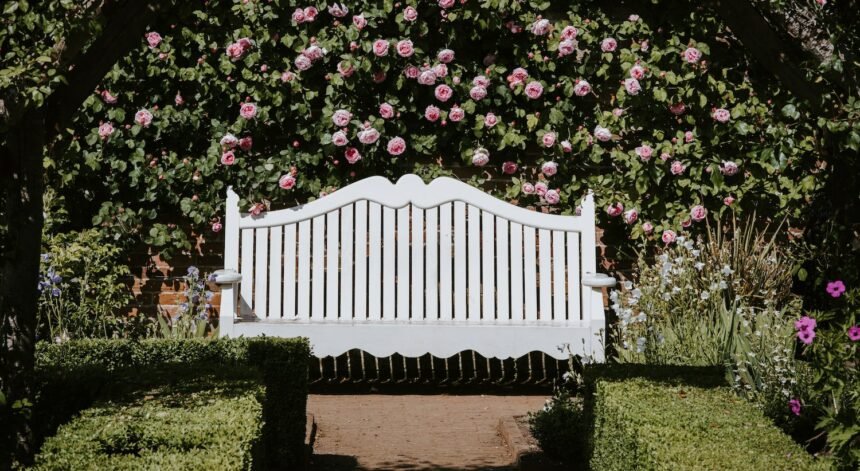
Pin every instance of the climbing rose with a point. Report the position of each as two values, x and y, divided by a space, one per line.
359 21
368 135
153 39
345 69
644 152
854 333
490 120
692 55
410 14
105 130
677 168
722 115
441 70
405 48
443 93
698 213
729 168
341 118
602 134
569 32
302 62
380 47
287 181
446 3
541 27
456 114
427 77
478 93
299 16
248 110
548 139
178 100
431 113
637 72
566 146
337 10
632 86
689 137
481 157
445 56
379 76
678 109
534 89
313 52
582 88
352 155
631 216
608 45
835 288
339 139
509 168
412 72
229 140
217 226
668 236
686 223
143 118
728 200
481 81
246 143
108 97
528 188
551 197
566 47
615 209
795 406
228 158
647 228
311 13
396 146
386 111
540 188
549 168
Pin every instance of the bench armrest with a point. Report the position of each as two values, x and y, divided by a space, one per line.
227 277
598 280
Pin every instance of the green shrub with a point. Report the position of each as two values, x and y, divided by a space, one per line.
192 425
642 424
561 428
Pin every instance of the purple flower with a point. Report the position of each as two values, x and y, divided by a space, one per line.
836 288
854 333
193 271
795 406
805 323
806 336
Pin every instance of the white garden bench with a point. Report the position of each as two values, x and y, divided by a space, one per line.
414 268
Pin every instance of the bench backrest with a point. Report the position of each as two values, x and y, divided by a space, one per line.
443 251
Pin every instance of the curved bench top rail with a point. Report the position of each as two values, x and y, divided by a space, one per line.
411 189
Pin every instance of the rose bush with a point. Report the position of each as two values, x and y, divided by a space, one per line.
385 88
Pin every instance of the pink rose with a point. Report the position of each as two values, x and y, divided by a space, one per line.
566 47
446 3
248 110
551 197
302 62
608 45
541 27
615 209
534 90
311 13
178 100
229 140
153 39
677 168
352 155
108 97
441 70
432 113
728 200
509 168
647 228
540 189
404 48
678 109
379 76
216 227
582 88
246 143
341 118
287 76
368 135
478 93
481 157
548 139
602 134
313 52
528 188
287 181
427 77
490 120
665 156
396 146
299 16
443 93
631 216
143 118
339 139
689 137
722 115
445 56
235 51
566 146
637 72
481 81
412 73
386 111
668 236
257 209
569 32
692 55
729 168
644 152
686 223
359 21
337 10
410 14
380 47
105 130
549 168
617 112
345 69
698 213
456 114
228 158
632 86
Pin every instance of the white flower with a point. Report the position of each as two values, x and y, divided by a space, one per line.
727 270
699 266
640 344
705 295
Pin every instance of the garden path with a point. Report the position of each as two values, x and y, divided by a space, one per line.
414 432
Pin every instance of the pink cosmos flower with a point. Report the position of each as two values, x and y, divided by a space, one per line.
432 113
569 32
143 118
228 158
534 90
566 146
404 48
548 139
359 21
689 137
729 168
311 14
478 93
337 10
728 200
456 113
644 152
835 288
108 97
722 115
105 130
608 45
299 16
246 143
153 39
582 88
341 118
528 188
615 209
380 47
386 111
566 47
396 146
443 93
540 188
302 62
795 406
541 27
490 120
412 72
677 168
352 155
637 72
339 139
854 333
692 55
481 157
444 4
287 181
552 197
698 213
632 86
631 216
368 135
602 134
345 69
668 236
549 168
647 228
427 77
509 168
410 14
445 56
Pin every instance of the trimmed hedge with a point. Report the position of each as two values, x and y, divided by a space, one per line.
77 373
657 425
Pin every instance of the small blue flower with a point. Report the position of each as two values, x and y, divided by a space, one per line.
46 257
193 271
55 292
209 295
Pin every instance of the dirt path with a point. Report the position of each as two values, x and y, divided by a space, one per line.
413 432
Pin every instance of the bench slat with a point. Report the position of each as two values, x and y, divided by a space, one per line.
502 274
573 288
246 307
275 271
488 260
559 304
304 288
446 280
474 239
332 258
518 274
388 266
530 273
374 278
261 274
432 264
418 293
318 269
544 276
289 271
347 229
459 261
403 275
